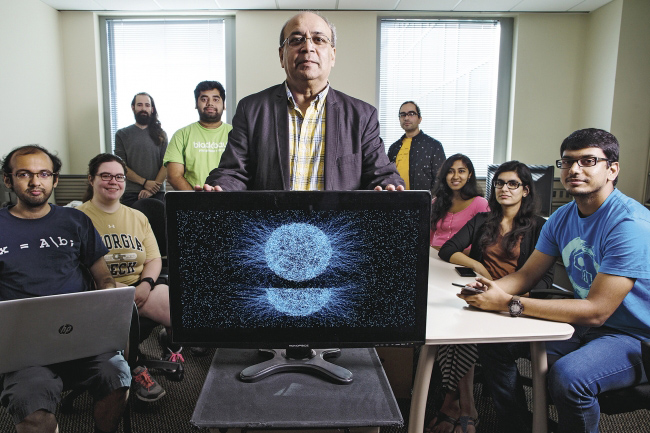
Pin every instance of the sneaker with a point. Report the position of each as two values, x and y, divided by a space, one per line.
173 356
146 388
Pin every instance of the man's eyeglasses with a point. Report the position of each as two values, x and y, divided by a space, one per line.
298 40
512 184
409 114
589 161
108 177
24 174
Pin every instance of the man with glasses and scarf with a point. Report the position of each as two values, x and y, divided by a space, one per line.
302 134
43 248
602 237
418 157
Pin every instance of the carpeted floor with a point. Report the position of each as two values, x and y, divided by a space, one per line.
172 413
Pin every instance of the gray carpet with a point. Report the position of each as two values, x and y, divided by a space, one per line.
172 413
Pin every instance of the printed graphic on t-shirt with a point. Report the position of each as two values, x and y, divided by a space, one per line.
580 262
210 146
49 242
121 263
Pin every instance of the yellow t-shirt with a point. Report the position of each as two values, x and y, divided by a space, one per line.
402 161
128 237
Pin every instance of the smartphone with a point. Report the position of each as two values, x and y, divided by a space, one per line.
468 290
465 272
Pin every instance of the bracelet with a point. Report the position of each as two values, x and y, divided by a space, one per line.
144 183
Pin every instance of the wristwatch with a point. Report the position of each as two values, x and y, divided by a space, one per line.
153 283
515 306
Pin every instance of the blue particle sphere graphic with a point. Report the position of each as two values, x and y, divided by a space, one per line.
298 251
302 302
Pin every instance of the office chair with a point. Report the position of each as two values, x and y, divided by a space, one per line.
154 210
542 179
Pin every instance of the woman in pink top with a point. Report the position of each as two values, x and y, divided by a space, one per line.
456 199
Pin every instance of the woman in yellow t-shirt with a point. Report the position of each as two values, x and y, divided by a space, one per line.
133 258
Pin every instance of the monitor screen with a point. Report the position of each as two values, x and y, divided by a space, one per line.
261 269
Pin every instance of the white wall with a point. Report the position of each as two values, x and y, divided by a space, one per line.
548 59
631 105
80 41
33 108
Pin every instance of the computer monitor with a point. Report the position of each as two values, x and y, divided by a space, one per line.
298 271
542 179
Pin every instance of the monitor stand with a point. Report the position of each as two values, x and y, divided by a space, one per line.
300 359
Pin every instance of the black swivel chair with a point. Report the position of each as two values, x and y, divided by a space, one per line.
542 179
154 210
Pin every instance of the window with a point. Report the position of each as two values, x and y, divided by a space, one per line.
166 58
454 71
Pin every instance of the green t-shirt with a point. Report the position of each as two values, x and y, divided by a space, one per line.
199 149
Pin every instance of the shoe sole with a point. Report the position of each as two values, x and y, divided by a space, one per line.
149 400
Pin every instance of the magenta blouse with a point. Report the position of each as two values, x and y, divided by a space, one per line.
452 222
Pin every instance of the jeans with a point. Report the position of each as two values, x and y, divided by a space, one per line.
592 361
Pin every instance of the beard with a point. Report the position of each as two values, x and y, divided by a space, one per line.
142 118
209 118
29 200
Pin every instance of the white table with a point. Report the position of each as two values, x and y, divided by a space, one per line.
451 321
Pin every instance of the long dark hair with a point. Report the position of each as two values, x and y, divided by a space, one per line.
443 193
525 217
157 134
93 167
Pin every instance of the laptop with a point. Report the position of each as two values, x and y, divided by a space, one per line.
51 329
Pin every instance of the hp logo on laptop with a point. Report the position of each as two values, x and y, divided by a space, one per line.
65 329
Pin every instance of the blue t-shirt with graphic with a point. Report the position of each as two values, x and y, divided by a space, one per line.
613 240
44 256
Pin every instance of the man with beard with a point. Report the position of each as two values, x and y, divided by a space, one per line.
197 148
416 155
602 237
43 249
303 134
142 147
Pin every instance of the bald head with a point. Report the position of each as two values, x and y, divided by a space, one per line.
332 34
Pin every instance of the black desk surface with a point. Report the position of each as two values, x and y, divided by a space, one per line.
295 400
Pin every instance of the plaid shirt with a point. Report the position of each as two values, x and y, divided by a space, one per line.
307 143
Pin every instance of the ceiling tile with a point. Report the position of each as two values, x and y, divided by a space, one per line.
545 5
129 5
487 5
317 5
589 5
170 5
427 5
377 5
248 4
74 5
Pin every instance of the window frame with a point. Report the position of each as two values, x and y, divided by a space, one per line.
230 50
502 147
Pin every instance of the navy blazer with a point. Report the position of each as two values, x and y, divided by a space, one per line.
257 154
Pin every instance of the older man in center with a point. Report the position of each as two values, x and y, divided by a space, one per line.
302 134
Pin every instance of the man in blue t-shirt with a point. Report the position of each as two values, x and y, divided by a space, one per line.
43 249
602 237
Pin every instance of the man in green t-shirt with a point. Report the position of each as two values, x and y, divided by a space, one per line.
196 149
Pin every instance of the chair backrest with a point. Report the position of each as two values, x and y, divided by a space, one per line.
542 179
154 210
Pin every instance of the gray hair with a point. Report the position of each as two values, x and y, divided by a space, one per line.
324 18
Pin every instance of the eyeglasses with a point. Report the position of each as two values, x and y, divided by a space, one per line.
298 40
108 177
409 114
512 184
589 161
24 174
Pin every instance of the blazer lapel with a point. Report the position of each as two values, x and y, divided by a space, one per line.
332 141
281 126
